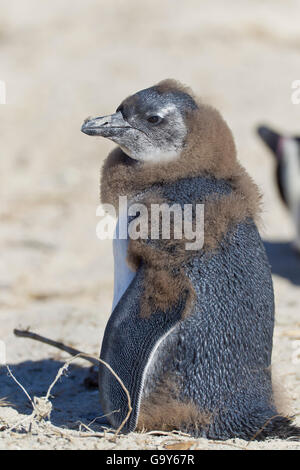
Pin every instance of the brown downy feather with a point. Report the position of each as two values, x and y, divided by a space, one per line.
163 411
209 151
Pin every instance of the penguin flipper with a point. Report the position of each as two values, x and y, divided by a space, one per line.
128 345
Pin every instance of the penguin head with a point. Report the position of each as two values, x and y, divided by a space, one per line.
149 126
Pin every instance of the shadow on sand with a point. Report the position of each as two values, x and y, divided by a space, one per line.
285 262
72 401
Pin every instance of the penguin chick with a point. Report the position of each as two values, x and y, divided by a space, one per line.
287 154
190 336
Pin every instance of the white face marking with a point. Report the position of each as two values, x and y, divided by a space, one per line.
154 155
164 111
291 181
154 146
123 275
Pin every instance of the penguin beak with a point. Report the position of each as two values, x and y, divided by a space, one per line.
106 126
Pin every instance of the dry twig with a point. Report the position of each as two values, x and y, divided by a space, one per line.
43 401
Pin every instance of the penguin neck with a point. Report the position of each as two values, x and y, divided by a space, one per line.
208 151
124 176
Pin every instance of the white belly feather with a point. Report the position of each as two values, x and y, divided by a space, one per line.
291 177
123 275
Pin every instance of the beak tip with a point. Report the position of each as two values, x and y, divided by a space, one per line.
86 129
104 126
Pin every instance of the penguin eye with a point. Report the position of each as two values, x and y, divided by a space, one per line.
154 119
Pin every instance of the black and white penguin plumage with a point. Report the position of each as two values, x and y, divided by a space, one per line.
190 334
287 153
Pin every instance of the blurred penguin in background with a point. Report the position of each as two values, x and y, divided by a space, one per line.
287 153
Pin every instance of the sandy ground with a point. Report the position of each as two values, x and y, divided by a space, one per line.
61 64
